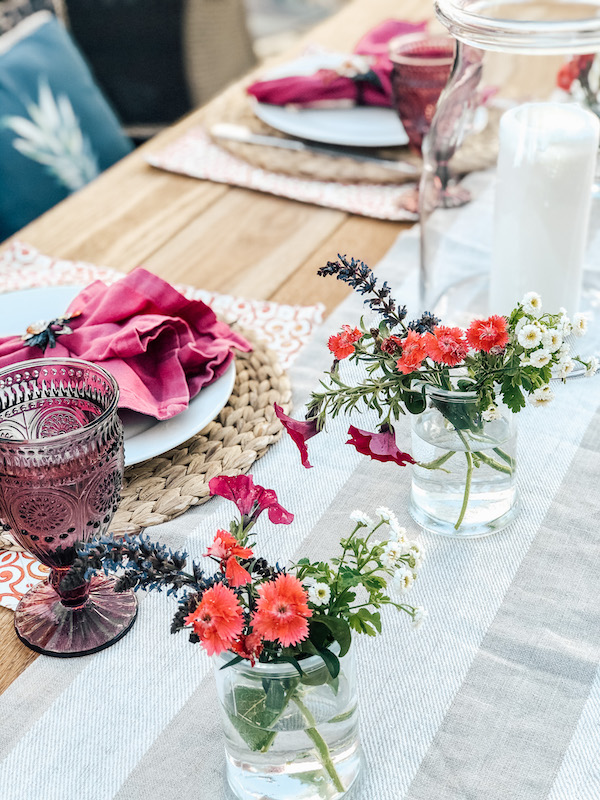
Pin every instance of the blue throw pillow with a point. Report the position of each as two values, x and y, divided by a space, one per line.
57 132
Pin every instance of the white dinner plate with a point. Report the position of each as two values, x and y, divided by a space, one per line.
358 126
145 437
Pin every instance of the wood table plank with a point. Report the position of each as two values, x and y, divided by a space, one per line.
210 235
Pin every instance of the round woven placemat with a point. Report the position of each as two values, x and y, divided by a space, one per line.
162 488
479 152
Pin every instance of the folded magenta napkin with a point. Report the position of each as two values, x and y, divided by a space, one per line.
160 347
365 81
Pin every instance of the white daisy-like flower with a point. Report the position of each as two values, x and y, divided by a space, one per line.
403 579
565 324
580 324
532 304
392 552
419 615
417 552
398 531
552 339
361 518
319 594
541 396
591 367
491 414
565 367
539 358
387 515
529 336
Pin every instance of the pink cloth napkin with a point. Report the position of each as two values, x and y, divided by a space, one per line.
371 86
160 347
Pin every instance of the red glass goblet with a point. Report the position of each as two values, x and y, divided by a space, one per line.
61 471
421 65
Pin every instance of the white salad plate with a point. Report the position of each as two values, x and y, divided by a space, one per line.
145 437
356 126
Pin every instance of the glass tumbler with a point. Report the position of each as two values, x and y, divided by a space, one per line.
61 471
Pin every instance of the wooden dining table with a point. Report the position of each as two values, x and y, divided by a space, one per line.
212 235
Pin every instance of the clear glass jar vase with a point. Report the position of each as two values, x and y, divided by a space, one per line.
289 737
518 155
463 484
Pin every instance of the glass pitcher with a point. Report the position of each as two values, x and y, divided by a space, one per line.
507 191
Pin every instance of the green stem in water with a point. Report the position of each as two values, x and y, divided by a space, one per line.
438 461
465 502
504 456
320 744
494 464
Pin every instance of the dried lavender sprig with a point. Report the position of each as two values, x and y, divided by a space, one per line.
148 565
361 278
425 324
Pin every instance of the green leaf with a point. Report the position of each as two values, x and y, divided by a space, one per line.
415 402
252 716
512 396
332 662
338 627
365 621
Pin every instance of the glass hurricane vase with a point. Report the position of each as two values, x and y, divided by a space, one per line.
463 484
287 737
61 470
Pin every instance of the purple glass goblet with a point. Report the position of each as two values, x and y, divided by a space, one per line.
421 66
61 471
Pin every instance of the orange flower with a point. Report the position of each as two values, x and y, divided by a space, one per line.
282 611
488 334
249 647
217 620
342 344
446 345
413 353
225 547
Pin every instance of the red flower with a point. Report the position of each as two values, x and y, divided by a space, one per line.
413 353
342 344
486 334
378 446
446 345
249 647
391 345
226 548
565 77
217 620
250 500
572 70
300 431
282 611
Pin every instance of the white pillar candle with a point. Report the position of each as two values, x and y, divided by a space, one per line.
546 165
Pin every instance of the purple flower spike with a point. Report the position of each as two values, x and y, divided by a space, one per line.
300 431
378 446
250 499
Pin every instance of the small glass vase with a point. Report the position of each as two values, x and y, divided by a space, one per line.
463 484
287 737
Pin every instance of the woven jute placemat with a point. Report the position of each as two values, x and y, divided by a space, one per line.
164 487
479 152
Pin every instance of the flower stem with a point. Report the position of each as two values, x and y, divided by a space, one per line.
465 502
438 461
494 464
320 744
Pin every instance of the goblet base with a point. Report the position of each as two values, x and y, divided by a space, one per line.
45 625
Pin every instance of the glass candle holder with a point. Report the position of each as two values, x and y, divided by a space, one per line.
525 151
